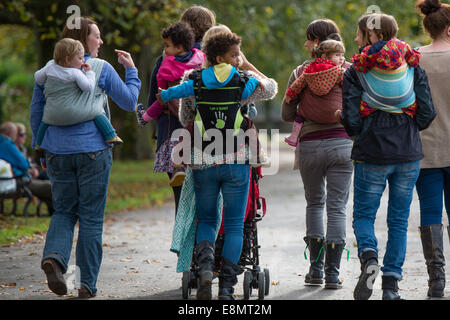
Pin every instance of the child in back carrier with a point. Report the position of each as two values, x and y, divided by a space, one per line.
178 40
67 66
392 55
248 110
386 57
320 76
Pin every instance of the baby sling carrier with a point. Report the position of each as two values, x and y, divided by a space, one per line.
220 109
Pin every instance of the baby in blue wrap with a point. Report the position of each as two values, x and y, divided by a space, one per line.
71 92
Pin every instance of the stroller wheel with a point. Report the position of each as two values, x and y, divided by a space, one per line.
266 281
261 286
185 284
247 284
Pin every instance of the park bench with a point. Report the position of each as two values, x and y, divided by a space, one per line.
15 188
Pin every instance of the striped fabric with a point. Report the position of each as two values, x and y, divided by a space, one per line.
389 91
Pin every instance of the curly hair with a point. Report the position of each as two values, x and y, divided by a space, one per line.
180 33
200 19
219 44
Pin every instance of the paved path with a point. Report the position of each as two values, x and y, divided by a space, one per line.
137 263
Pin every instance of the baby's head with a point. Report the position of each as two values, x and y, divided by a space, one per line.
200 19
211 32
333 50
223 47
382 27
69 53
178 38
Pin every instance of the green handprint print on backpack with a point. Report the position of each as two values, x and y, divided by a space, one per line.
221 118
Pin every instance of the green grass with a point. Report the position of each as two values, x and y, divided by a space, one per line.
133 185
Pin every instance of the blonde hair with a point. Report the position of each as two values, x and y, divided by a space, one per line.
221 28
66 49
213 31
327 48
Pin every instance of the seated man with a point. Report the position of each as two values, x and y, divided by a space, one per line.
35 170
20 165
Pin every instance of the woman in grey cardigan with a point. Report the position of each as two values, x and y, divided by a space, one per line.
322 154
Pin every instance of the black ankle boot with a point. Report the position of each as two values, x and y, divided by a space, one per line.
369 271
205 261
227 279
389 285
333 256
316 258
433 251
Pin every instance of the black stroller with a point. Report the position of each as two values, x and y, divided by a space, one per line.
254 277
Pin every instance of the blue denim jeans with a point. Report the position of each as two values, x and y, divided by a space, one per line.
79 187
433 189
233 181
369 184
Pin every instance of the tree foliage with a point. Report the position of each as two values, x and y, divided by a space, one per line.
273 34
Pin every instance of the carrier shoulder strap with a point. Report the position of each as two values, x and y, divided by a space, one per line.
196 76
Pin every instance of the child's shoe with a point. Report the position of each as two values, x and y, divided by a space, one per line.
115 140
178 176
140 110
292 140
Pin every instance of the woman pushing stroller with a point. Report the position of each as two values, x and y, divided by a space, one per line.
220 171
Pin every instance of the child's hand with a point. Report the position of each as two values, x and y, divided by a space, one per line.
86 67
337 115
287 99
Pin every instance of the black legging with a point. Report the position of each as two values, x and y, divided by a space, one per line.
176 194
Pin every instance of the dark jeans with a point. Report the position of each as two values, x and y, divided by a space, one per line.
79 186
433 188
